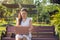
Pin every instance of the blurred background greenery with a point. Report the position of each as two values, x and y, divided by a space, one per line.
47 13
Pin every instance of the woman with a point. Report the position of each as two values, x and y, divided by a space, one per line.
24 21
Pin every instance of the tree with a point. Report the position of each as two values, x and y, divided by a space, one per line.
42 12
24 1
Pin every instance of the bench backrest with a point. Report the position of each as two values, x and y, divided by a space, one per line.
43 30
10 29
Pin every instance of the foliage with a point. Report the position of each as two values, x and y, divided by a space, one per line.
7 13
21 1
42 12
27 1
56 20
2 10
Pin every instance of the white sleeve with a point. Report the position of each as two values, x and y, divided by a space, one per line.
30 18
16 19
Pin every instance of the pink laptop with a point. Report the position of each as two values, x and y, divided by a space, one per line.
21 30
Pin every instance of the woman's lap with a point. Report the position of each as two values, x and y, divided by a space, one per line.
29 36
19 36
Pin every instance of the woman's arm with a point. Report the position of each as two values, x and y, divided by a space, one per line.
17 22
30 25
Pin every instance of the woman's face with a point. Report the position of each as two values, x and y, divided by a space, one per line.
24 14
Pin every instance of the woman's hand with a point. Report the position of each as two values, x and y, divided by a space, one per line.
30 29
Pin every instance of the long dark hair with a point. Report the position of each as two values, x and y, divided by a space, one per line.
19 15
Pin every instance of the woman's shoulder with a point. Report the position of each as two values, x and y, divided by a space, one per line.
29 18
16 18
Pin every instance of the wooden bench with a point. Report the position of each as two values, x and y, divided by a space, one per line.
39 33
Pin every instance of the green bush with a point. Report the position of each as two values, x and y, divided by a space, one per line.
56 21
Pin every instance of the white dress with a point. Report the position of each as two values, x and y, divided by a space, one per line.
26 23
